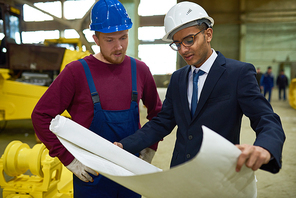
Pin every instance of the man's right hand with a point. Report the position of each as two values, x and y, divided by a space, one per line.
81 171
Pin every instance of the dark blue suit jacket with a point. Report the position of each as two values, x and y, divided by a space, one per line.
230 91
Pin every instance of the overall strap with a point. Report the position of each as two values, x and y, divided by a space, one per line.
94 94
134 80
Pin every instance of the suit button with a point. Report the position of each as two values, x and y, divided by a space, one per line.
190 137
188 156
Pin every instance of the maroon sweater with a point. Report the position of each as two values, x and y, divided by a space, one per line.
70 91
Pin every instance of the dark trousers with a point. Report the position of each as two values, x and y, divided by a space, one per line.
281 89
269 93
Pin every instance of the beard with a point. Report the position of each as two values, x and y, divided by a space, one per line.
113 58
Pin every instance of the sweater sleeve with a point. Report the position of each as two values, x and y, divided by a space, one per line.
151 99
55 100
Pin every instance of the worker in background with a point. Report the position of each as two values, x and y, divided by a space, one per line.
213 91
282 83
101 92
267 83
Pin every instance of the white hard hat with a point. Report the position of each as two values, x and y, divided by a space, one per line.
182 15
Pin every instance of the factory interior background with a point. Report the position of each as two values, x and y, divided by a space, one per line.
262 33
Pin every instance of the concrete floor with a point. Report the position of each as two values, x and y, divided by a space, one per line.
269 185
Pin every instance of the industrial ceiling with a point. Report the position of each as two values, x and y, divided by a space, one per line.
223 12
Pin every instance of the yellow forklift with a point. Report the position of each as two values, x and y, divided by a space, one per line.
26 70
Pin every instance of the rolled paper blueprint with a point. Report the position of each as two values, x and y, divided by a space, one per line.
93 150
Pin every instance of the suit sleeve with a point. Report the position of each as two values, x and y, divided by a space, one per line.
266 124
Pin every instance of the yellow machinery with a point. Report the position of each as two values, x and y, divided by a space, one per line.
70 55
292 93
26 70
18 97
48 179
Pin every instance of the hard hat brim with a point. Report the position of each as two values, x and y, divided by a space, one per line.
168 37
111 29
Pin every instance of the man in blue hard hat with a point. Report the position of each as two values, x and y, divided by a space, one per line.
101 92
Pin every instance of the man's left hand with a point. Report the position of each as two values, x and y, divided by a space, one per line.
252 156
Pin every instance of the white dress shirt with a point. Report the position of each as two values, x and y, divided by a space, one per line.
201 80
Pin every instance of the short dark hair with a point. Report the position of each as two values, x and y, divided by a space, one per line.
202 26
97 34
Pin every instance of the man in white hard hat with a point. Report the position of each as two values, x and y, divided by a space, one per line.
101 92
213 91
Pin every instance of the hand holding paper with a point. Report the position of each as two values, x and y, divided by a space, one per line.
81 171
252 156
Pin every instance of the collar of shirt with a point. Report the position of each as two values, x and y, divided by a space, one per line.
206 66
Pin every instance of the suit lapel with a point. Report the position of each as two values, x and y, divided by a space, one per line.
183 93
214 75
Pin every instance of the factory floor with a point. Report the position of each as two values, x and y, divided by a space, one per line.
269 185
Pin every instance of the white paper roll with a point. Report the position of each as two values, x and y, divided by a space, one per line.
93 150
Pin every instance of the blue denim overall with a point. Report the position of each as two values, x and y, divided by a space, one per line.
113 126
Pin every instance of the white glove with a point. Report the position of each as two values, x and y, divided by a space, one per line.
147 154
81 171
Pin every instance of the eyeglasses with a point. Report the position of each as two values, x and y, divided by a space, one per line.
186 42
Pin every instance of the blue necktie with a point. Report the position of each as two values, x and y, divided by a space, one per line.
195 91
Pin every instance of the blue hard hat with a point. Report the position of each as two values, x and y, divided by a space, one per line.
109 16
